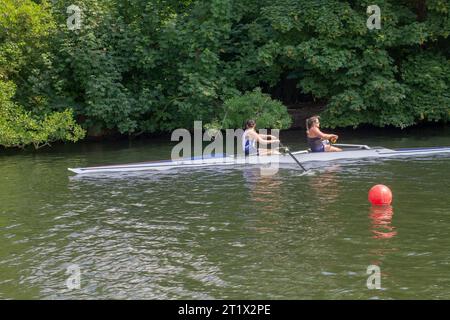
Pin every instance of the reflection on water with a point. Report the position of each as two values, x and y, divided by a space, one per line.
326 185
382 229
381 222
222 234
265 189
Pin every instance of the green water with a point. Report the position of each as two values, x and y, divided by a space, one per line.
224 234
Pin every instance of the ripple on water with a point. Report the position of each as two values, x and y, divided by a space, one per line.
216 234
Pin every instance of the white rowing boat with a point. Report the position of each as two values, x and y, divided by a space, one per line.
350 152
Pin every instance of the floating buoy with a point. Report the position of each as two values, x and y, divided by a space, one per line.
380 195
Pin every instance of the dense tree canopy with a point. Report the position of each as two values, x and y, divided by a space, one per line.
25 30
139 66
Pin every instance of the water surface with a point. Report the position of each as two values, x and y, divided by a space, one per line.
224 233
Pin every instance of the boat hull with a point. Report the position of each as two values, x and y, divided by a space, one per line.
274 160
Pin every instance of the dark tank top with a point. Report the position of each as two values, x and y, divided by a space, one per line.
316 144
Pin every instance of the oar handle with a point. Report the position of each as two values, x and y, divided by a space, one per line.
293 157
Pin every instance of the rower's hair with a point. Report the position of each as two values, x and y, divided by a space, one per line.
250 123
310 121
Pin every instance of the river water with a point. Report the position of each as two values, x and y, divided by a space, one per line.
224 234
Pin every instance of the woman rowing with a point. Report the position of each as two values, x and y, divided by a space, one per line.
251 138
316 138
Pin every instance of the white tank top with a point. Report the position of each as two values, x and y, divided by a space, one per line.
248 145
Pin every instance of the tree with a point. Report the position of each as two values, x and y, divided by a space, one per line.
24 28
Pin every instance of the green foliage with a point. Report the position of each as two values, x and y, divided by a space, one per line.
24 30
328 48
19 128
268 113
140 66
427 76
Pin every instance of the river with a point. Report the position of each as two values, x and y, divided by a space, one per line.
224 233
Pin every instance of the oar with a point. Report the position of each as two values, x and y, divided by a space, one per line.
293 157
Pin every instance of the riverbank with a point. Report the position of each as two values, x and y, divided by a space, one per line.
359 135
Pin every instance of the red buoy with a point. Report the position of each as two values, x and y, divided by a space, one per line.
380 195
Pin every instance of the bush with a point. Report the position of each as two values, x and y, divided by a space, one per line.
19 128
268 113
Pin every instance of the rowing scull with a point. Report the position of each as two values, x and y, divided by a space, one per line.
351 152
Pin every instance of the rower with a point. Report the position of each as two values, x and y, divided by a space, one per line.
317 139
251 138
